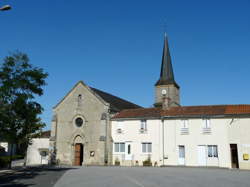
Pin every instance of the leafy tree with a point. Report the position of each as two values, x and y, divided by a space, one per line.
20 83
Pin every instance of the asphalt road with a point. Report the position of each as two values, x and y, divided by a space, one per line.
153 177
125 177
37 177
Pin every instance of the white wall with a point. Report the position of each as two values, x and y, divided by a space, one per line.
131 133
33 152
194 138
239 133
223 133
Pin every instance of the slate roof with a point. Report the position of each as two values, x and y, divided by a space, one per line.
116 104
185 111
167 73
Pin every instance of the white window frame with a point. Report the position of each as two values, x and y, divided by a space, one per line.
143 124
119 127
184 123
184 127
214 151
119 147
207 123
147 151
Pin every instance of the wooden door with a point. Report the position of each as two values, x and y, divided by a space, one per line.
78 154
234 156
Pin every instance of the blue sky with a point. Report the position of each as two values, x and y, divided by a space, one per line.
116 46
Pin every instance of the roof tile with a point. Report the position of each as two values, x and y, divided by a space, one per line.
185 111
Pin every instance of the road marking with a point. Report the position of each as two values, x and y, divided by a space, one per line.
135 181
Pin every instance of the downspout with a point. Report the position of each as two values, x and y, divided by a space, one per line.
106 141
163 145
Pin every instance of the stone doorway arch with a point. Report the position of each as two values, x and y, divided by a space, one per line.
78 151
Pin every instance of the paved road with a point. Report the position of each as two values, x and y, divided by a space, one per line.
37 177
153 177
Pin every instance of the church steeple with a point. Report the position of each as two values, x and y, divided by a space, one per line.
167 73
166 89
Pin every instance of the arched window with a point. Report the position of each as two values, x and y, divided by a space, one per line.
79 100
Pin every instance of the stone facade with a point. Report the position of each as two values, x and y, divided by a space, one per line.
93 134
172 95
80 132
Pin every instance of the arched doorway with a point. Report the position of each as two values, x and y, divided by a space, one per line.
79 154
78 150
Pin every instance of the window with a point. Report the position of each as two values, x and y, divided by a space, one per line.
120 147
79 122
206 123
119 127
146 147
79 100
206 126
184 124
184 127
181 151
144 124
212 151
143 128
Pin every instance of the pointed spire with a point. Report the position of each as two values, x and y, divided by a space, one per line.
167 73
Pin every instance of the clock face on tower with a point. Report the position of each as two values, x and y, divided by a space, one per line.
164 92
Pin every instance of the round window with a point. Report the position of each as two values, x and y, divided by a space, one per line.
79 122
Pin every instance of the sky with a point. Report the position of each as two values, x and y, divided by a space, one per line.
116 46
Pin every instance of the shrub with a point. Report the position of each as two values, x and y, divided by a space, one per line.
147 162
117 162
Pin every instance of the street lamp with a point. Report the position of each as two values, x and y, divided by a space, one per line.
5 7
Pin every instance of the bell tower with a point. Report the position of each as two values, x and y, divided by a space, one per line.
166 89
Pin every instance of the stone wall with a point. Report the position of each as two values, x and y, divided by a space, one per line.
81 102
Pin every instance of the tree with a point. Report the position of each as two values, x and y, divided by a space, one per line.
20 83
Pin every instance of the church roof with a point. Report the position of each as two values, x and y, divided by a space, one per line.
167 73
186 111
116 104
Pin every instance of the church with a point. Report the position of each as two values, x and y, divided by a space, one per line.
92 127
80 129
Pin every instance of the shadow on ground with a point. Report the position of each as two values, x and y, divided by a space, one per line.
33 176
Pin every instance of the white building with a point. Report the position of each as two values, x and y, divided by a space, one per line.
170 134
38 150
183 136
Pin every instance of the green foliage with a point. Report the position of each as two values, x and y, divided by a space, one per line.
117 162
4 160
20 83
147 162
